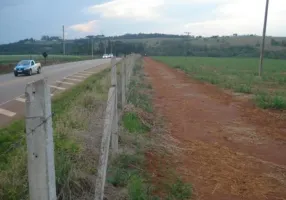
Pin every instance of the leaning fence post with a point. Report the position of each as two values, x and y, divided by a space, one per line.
128 72
40 145
126 75
114 138
104 148
123 83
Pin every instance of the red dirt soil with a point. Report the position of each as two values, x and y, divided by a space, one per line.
223 145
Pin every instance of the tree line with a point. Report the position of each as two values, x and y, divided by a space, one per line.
173 46
72 47
183 48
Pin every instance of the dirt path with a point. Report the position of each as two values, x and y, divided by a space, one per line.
228 149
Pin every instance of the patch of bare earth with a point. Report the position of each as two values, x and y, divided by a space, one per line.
222 144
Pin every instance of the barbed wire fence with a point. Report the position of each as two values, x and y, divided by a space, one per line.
119 88
39 132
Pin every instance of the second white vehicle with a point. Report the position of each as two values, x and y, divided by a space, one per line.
27 67
105 56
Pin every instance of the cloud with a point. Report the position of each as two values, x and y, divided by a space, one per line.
201 17
243 17
87 27
128 9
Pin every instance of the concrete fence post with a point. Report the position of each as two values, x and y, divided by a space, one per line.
127 72
123 83
40 145
114 136
104 148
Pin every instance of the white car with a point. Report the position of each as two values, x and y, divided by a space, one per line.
27 67
111 55
105 56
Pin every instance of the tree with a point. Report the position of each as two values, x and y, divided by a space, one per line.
274 42
45 38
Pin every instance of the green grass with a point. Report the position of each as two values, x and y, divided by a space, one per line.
133 124
72 111
180 190
128 169
240 75
123 168
268 101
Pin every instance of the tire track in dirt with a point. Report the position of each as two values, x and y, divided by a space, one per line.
226 147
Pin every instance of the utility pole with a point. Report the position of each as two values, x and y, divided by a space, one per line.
64 45
263 39
92 47
111 48
104 46
188 33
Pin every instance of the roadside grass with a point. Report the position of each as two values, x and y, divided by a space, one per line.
239 75
76 111
128 171
133 124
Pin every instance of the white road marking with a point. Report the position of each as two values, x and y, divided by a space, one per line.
20 99
82 75
73 79
77 76
10 100
63 82
7 112
56 87
86 73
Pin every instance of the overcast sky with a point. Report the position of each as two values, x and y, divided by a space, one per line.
21 19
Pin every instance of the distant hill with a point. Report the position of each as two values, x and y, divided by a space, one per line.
153 44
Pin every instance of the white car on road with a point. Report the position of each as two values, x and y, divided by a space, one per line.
27 67
105 56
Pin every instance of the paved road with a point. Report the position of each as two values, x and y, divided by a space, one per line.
60 77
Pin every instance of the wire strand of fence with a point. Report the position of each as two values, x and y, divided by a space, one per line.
17 143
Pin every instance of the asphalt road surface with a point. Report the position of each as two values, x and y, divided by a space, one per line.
60 77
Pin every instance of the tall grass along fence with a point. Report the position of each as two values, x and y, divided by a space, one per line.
110 130
39 132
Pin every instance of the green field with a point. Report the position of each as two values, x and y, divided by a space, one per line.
239 75
215 42
12 59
